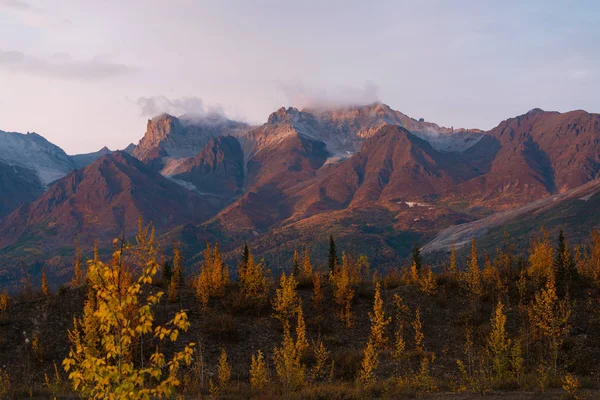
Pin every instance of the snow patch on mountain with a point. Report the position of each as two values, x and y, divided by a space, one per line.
33 152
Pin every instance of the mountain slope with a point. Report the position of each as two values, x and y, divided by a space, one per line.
17 186
168 136
32 151
100 201
534 155
574 210
218 169
83 160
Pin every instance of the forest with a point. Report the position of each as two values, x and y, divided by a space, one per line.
144 325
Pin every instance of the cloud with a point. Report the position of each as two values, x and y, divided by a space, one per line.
62 67
189 106
33 16
299 95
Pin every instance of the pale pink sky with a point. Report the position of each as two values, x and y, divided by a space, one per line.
85 73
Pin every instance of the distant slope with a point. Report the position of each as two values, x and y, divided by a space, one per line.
532 156
83 160
17 186
576 210
32 151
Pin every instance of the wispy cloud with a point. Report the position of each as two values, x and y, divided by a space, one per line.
300 95
32 15
191 106
63 67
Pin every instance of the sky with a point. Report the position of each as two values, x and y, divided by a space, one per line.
87 73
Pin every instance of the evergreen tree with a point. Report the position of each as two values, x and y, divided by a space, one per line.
167 273
416 257
333 258
559 260
564 265
243 263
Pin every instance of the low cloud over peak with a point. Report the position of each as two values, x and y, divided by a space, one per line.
302 96
189 106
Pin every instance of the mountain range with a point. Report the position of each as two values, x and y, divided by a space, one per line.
376 179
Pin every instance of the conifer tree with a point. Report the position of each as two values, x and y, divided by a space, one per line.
219 273
319 370
4 301
318 295
343 292
418 328
399 343
286 300
288 365
452 268
499 343
301 341
369 364
177 278
550 320
427 282
473 275
333 258
296 266
45 289
541 256
564 266
223 370
416 258
213 277
178 274
254 283
167 273
243 262
379 321
259 372
78 278
307 268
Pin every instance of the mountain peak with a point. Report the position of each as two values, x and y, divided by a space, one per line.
283 114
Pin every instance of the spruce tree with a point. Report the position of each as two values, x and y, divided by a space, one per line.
559 260
333 258
564 266
243 263
167 273
416 257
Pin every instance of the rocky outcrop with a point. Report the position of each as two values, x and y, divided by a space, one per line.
169 136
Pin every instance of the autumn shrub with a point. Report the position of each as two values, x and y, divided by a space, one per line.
254 283
259 372
5 384
343 292
286 300
122 316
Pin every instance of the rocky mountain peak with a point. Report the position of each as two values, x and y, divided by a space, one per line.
283 115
